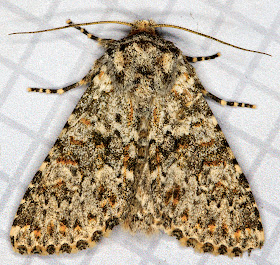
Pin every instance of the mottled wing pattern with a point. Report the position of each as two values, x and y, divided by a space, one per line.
194 188
142 148
82 188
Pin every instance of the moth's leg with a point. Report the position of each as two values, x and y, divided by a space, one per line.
224 102
203 58
61 90
89 35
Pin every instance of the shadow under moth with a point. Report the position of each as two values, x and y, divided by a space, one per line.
141 149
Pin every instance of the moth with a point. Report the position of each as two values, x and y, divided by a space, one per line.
141 149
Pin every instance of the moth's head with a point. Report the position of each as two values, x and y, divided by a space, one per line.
143 26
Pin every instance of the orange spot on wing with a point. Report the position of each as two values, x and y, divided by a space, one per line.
185 215
183 146
42 188
186 75
91 217
237 234
62 229
103 203
225 229
248 230
212 228
130 115
37 233
65 161
99 157
85 121
175 92
207 144
184 218
155 114
78 228
126 155
219 184
196 124
187 94
76 142
101 146
234 190
60 183
158 157
50 228
100 74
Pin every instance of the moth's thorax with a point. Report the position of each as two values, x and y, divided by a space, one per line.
144 62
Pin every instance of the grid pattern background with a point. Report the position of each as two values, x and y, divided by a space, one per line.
30 123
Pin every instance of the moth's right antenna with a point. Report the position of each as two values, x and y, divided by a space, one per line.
209 37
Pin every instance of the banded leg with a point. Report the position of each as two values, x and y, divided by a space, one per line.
58 91
89 35
228 103
84 81
205 58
